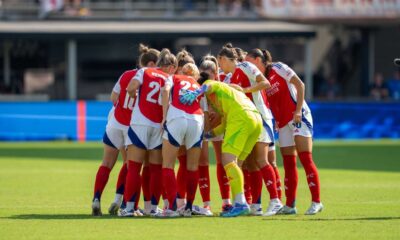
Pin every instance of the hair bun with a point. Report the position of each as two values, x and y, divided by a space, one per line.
143 48
228 45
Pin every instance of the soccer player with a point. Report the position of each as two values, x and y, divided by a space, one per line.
183 57
183 126
242 125
145 132
293 116
247 78
116 133
210 70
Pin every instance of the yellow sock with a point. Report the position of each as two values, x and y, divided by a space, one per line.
236 179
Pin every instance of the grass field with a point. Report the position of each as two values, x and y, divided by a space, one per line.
46 191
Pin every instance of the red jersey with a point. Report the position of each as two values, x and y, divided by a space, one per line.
282 95
124 106
177 109
245 76
148 109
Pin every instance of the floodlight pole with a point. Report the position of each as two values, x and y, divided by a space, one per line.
308 73
71 69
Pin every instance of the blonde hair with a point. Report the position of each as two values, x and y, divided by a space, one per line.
166 58
183 57
210 63
147 55
190 69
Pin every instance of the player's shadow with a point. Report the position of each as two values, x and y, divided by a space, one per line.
334 219
71 217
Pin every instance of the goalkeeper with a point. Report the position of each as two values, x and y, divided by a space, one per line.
241 126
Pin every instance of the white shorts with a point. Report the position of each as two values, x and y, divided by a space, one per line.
144 137
115 137
182 131
287 133
267 132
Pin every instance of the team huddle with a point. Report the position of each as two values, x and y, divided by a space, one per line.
170 109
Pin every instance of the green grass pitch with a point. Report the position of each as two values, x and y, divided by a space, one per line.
46 190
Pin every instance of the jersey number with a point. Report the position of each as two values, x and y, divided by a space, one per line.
186 85
155 89
128 103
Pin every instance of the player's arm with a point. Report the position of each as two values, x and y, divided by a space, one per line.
299 85
116 91
204 107
190 96
165 92
132 88
114 97
261 84
220 128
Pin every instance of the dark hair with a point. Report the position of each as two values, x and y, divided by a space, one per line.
183 57
147 55
166 58
203 77
228 51
265 56
241 54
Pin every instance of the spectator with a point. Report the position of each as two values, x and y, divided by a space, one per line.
394 86
330 89
229 7
75 8
379 89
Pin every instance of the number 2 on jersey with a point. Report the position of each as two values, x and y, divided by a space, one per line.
155 89
185 86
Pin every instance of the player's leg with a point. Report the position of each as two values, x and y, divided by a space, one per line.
136 155
111 142
240 137
145 178
268 175
255 184
181 178
155 163
223 180
247 186
193 156
288 151
172 140
120 188
272 161
303 140
204 176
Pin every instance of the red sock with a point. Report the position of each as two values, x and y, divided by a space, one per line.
278 182
191 187
155 183
268 175
291 179
256 186
204 183
146 183
122 178
101 180
169 183
132 182
312 175
181 177
137 200
223 182
247 186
